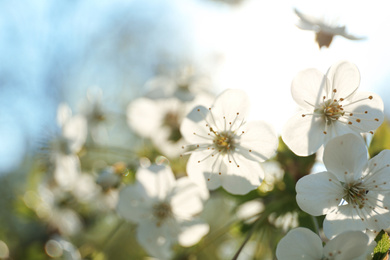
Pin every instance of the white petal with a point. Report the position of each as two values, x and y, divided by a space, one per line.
344 77
144 116
308 88
344 219
63 114
242 179
75 130
158 180
193 127
318 194
192 232
233 104
379 219
204 172
259 138
348 245
304 135
187 198
374 108
299 243
157 240
379 171
134 203
67 170
345 156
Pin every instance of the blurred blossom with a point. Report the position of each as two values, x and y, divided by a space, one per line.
160 119
164 209
85 188
4 251
95 112
330 106
110 177
286 221
325 31
250 210
184 85
51 204
274 173
302 243
225 149
59 247
62 149
218 211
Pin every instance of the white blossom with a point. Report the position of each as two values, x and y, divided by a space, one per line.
226 149
302 243
330 106
160 119
164 209
353 193
325 31
63 148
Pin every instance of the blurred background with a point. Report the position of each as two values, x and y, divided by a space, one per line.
106 54
53 52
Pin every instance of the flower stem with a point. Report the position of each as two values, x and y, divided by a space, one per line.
248 236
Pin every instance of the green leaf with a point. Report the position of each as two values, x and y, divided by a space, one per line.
380 140
382 247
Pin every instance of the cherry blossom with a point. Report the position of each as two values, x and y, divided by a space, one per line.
302 243
353 193
164 209
325 31
225 149
330 106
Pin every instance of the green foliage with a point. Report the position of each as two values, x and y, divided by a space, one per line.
294 165
383 246
380 140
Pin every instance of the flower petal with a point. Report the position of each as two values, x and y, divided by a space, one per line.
64 113
204 172
348 245
158 180
233 105
309 87
192 232
304 135
367 109
242 179
319 193
345 78
144 116
258 142
134 203
379 171
67 170
345 156
75 130
194 127
345 218
187 198
157 240
299 243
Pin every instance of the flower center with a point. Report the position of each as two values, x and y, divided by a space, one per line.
224 141
331 109
355 194
162 211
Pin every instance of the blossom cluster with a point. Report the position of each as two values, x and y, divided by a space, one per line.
220 150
